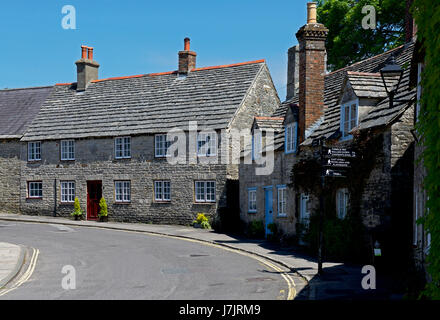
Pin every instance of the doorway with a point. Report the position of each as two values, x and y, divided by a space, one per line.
94 194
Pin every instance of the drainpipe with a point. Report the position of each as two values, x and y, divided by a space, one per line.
55 197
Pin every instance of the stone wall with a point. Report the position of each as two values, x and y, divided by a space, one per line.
94 160
9 175
283 164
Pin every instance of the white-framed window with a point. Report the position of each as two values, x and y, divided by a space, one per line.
420 68
349 118
207 144
342 201
34 151
122 191
252 200
67 191
122 147
35 189
257 144
67 149
304 208
162 191
204 191
161 145
282 192
290 137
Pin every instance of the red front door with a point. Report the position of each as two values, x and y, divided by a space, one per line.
94 194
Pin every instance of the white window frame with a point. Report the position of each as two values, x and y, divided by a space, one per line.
257 144
282 200
252 200
304 208
67 149
202 192
162 190
290 133
122 147
346 125
67 191
34 151
420 68
342 202
123 191
31 190
207 144
161 145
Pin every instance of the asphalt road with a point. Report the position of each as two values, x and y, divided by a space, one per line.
113 264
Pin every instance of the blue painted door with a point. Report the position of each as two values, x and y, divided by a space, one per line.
268 208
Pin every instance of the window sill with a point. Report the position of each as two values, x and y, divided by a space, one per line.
282 215
162 201
34 198
34 161
123 203
66 203
209 203
252 212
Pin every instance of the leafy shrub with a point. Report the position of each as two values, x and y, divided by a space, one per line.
103 212
77 208
202 221
256 229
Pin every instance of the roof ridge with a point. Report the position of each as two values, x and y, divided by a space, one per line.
27 88
230 65
169 72
269 118
378 55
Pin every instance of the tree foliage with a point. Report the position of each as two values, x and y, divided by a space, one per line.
348 42
427 16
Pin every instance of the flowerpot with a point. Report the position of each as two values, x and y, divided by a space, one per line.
103 219
77 218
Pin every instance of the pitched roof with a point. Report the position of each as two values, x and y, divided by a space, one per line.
18 107
380 114
151 103
366 85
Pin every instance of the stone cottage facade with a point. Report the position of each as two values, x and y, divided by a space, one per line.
155 146
335 107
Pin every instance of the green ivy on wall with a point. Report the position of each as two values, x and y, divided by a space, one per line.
427 16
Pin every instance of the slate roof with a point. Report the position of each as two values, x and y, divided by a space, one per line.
275 123
151 103
367 85
18 107
379 115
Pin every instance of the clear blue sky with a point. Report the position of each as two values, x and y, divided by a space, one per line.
136 37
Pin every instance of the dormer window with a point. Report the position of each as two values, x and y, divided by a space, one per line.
290 137
349 118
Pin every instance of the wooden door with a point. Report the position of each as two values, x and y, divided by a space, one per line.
94 194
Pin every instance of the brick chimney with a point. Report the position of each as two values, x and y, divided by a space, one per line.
187 58
410 26
312 68
87 69
292 72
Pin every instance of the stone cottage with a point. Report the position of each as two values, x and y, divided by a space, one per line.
116 138
336 108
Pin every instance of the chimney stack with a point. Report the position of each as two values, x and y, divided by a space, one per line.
187 58
312 69
410 26
292 72
87 69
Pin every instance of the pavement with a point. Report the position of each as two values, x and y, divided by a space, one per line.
11 260
340 281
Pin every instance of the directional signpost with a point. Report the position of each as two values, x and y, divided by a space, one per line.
335 162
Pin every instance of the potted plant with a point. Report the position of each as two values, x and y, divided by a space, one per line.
103 212
77 212
201 222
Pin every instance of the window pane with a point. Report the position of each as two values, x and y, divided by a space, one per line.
166 191
200 191
158 190
210 191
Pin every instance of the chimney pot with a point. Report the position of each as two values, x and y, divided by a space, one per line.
83 52
90 53
187 44
311 12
